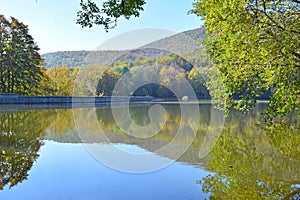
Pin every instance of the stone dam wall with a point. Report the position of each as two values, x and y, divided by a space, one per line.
67 100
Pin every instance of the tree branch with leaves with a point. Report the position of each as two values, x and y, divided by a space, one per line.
108 15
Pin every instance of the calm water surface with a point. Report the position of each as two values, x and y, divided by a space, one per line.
43 157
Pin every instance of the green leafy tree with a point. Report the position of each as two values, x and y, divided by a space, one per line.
255 46
108 15
107 82
45 87
62 80
19 58
198 83
140 75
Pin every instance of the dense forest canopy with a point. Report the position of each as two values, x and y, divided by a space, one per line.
165 71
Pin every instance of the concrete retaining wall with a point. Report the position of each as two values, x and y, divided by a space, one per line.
16 99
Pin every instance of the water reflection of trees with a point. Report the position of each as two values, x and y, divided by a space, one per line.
139 116
247 162
21 135
250 163
62 127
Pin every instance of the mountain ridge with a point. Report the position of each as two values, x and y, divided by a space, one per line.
181 42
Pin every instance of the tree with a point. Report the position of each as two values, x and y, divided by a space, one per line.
198 83
255 46
19 58
108 15
107 83
46 87
62 80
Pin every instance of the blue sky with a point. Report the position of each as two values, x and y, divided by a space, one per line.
52 22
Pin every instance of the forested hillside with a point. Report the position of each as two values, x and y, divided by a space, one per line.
187 40
155 49
77 58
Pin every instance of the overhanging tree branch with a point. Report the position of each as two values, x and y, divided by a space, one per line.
110 11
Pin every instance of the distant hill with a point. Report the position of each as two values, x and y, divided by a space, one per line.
181 42
78 58
185 41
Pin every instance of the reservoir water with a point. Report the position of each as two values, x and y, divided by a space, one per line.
163 153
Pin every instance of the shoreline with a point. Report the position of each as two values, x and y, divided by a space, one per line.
44 102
